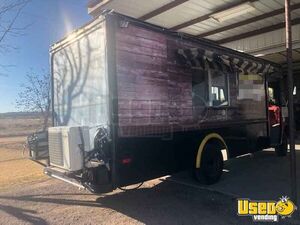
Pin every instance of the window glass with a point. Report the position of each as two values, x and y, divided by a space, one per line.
219 88
271 97
200 93
210 88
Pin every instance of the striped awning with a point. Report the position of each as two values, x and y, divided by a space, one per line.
199 59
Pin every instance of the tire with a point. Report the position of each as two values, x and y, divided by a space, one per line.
211 167
281 150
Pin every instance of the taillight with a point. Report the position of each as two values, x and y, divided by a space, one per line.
126 161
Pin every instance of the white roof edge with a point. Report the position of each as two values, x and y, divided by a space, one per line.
76 34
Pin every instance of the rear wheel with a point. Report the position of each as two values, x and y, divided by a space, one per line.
211 166
281 150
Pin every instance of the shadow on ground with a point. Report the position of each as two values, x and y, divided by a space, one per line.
176 200
262 175
23 214
164 203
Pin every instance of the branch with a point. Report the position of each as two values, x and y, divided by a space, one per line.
7 8
8 29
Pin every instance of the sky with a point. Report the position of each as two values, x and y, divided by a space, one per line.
49 21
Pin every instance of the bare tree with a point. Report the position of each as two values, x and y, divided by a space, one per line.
10 10
35 96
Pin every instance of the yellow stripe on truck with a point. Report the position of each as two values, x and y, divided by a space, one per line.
203 143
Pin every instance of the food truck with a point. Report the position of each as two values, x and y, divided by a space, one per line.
132 101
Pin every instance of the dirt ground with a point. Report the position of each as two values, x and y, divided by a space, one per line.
15 168
53 202
18 126
29 197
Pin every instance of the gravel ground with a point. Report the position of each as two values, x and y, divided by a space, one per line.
15 168
29 197
156 202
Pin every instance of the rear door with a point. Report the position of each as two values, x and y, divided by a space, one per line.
79 72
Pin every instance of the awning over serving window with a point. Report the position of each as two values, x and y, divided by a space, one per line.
199 58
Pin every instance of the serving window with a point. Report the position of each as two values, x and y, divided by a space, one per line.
209 88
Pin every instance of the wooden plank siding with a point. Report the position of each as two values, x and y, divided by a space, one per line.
155 90
142 81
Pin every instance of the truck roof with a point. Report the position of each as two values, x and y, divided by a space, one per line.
76 34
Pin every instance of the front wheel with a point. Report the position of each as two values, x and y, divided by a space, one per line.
281 150
211 167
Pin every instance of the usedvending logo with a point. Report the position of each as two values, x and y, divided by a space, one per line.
266 211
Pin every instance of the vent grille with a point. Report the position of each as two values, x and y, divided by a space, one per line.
56 148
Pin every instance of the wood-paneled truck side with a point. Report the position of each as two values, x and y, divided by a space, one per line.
167 104
170 103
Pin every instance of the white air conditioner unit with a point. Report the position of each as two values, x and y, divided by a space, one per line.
64 146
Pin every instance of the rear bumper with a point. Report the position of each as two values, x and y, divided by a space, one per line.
73 179
63 176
